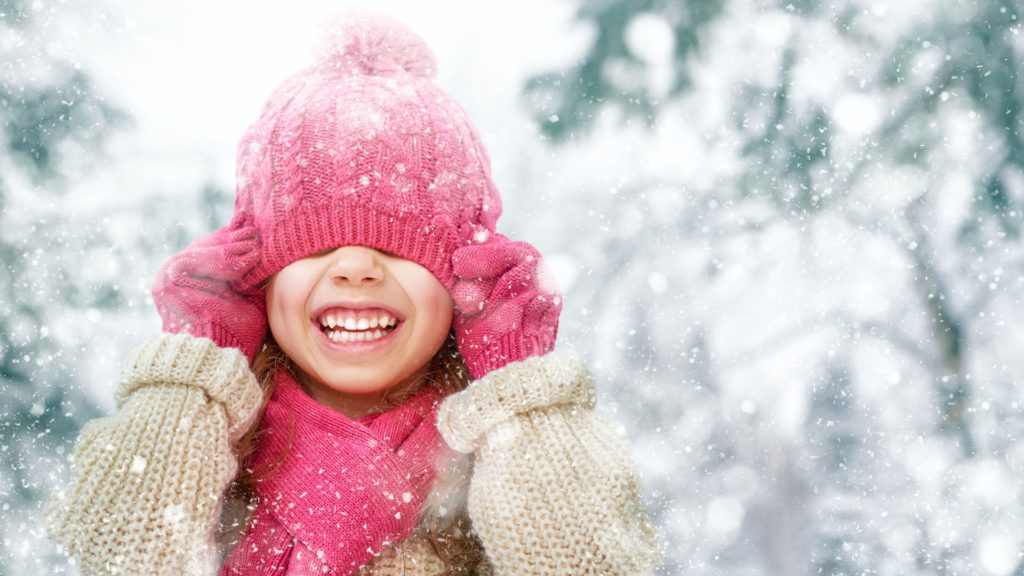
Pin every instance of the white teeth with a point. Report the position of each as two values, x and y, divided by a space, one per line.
345 336
353 329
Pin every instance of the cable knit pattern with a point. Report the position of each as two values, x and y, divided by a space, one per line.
553 491
147 484
360 148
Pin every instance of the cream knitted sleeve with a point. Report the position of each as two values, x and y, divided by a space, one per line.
147 483
553 490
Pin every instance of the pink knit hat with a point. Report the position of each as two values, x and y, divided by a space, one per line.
363 148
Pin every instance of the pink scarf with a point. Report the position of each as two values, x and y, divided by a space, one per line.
339 490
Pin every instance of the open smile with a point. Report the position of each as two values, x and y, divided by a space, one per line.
343 325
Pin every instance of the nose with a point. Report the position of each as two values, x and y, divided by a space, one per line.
356 266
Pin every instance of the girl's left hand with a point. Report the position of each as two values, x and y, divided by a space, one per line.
553 488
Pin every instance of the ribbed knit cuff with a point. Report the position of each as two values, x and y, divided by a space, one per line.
249 346
511 347
516 388
182 359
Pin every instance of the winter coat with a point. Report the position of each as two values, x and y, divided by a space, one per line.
552 491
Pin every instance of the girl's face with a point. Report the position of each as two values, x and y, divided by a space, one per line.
359 322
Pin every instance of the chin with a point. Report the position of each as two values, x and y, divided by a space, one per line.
358 383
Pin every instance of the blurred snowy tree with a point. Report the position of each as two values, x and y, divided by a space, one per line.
807 274
64 261
51 120
624 65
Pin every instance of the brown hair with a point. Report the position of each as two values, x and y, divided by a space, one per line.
444 520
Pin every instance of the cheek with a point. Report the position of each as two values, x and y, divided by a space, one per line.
443 320
447 310
282 306
441 304
436 304
274 313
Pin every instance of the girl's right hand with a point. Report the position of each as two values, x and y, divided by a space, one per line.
147 483
199 290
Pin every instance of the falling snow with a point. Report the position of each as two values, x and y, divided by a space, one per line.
791 256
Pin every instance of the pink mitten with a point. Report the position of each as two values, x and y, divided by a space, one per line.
507 304
200 290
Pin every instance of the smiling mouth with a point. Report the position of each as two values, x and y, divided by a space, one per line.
342 326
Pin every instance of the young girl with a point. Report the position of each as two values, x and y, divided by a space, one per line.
307 410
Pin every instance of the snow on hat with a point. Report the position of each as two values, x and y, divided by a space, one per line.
363 148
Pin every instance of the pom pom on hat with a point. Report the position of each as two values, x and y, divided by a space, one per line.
373 43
